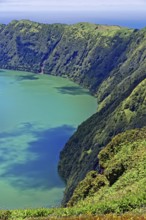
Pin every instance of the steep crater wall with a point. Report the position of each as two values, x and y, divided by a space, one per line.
108 60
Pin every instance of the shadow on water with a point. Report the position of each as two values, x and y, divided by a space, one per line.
2 71
39 172
21 77
72 90
27 77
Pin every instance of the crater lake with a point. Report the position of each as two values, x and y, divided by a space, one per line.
38 114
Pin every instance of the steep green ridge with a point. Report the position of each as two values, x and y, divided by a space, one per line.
109 60
121 185
77 51
80 153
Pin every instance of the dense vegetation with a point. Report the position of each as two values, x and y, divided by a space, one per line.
111 62
120 185
92 135
65 214
76 51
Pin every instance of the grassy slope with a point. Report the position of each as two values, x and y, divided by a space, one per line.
62 214
121 186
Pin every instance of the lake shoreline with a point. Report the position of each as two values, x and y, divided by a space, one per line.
32 129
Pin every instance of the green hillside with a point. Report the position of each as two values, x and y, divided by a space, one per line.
76 51
122 106
111 62
120 186
80 153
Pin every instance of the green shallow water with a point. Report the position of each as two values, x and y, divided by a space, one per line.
38 114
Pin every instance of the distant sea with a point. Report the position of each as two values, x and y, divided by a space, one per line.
71 18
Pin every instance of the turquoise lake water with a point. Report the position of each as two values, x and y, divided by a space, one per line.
38 114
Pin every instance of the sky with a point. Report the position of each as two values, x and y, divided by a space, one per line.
131 13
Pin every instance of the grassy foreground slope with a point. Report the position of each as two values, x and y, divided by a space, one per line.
44 214
119 187
121 184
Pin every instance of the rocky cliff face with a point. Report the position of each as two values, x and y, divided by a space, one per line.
109 60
